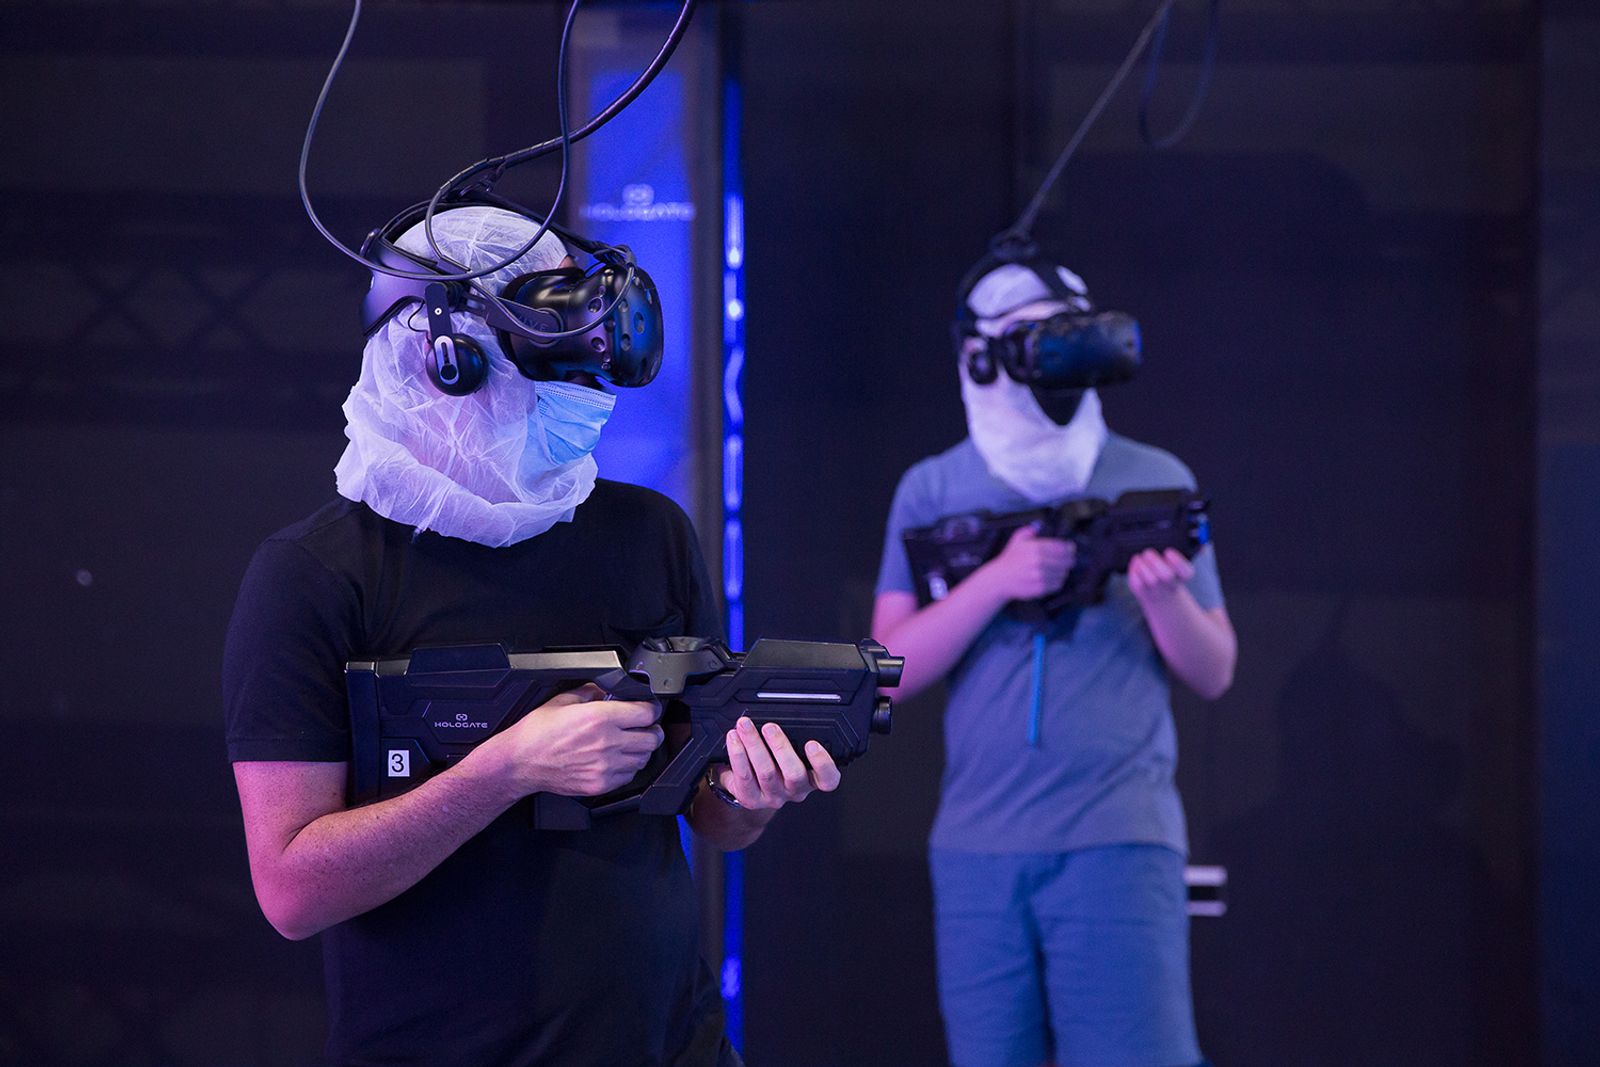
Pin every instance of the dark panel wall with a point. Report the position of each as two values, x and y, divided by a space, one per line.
1569 529
876 158
171 396
1335 275
1338 268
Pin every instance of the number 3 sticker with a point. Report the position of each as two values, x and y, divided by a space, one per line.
399 763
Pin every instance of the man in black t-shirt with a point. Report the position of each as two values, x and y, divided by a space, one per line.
453 931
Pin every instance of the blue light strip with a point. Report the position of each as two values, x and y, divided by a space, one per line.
732 505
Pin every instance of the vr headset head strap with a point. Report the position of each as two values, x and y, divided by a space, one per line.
390 293
1007 247
615 255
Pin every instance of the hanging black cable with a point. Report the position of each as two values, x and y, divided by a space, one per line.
497 165
1016 241
1208 63
565 141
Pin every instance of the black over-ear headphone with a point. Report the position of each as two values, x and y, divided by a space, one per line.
456 363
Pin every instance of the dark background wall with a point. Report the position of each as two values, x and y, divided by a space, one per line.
1569 522
1337 278
1368 289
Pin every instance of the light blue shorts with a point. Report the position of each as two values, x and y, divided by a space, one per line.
1077 958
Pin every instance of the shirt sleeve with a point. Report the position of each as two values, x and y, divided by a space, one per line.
913 506
292 631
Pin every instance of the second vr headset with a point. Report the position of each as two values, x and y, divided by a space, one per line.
1080 348
604 320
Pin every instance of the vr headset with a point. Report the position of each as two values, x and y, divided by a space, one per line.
1075 349
603 321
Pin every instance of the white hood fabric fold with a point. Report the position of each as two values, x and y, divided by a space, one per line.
1024 447
475 467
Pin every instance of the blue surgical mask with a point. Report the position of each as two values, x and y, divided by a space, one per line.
572 416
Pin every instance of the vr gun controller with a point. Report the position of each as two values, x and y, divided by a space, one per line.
413 716
1107 535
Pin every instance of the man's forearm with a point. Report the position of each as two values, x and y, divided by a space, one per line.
348 861
933 639
1198 646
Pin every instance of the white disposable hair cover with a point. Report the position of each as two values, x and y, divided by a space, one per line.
1012 285
475 467
1019 443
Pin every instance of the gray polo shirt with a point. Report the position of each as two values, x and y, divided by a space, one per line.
1102 770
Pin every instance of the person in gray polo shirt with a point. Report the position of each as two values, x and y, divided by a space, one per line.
1057 852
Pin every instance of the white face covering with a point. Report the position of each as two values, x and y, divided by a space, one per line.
1020 444
1024 447
497 466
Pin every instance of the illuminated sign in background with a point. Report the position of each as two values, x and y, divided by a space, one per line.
634 190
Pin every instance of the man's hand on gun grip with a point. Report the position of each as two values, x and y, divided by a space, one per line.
1155 578
764 771
1030 566
580 744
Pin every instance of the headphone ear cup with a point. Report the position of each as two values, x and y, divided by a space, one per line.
980 362
1015 358
456 365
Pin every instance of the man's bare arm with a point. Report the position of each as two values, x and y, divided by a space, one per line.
315 862
1198 645
933 639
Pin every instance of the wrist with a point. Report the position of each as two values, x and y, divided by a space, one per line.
729 828
729 807
494 765
1160 601
988 583
714 787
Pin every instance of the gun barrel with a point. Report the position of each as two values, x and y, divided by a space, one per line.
886 669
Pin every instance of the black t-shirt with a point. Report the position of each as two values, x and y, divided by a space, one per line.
524 946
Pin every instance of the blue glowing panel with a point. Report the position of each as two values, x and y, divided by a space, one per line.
636 192
733 335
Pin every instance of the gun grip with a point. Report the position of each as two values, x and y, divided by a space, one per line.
672 790
551 811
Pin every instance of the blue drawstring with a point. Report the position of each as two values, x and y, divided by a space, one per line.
1038 689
